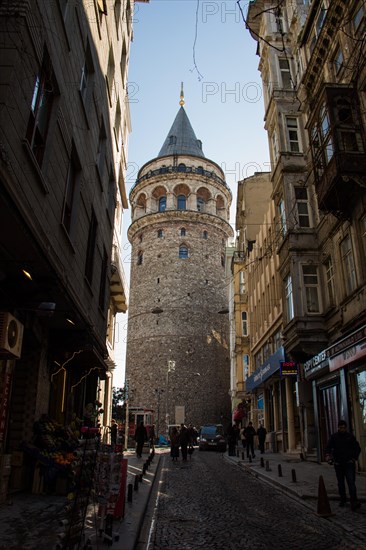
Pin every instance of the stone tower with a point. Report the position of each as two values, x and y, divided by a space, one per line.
177 359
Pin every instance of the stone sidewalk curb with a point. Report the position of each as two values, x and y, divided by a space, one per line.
305 489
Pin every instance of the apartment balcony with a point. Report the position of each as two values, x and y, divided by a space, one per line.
118 286
338 147
241 298
239 257
305 336
341 183
242 343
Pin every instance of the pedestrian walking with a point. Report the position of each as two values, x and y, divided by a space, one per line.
261 433
114 431
174 444
343 451
249 433
152 436
192 434
185 440
232 433
140 438
242 437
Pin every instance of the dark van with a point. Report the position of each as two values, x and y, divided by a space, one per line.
212 437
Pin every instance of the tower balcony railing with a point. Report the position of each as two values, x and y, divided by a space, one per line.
179 169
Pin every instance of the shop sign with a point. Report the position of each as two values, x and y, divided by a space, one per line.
349 355
288 368
316 363
354 338
265 371
341 353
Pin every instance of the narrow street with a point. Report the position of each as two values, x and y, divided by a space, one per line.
207 503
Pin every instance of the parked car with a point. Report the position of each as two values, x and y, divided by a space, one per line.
212 437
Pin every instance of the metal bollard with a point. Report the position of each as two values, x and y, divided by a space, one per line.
279 470
262 462
136 483
293 473
141 476
267 466
129 492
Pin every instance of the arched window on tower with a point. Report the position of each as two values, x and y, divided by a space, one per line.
181 202
200 204
182 167
205 234
183 232
140 257
162 204
199 170
183 252
220 206
160 233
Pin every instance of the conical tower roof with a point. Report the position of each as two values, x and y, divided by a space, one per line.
181 139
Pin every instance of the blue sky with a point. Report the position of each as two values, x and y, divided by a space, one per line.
205 44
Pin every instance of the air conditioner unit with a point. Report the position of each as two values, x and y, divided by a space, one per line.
11 335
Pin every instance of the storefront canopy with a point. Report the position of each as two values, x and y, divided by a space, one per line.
266 370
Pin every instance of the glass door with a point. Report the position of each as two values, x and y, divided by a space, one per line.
329 413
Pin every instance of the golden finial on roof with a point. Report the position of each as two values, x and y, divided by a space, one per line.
181 103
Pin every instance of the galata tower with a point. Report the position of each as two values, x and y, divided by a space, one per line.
177 357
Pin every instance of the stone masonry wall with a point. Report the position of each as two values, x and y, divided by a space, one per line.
189 331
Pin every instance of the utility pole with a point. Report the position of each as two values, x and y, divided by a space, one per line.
171 368
158 392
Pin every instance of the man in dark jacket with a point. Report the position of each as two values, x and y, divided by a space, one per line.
343 451
261 433
140 438
249 433
185 440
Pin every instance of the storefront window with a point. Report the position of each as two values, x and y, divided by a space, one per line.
330 410
260 407
361 387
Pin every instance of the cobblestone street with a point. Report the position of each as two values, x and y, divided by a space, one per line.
207 503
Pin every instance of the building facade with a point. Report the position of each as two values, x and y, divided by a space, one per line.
313 71
64 131
177 358
253 196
